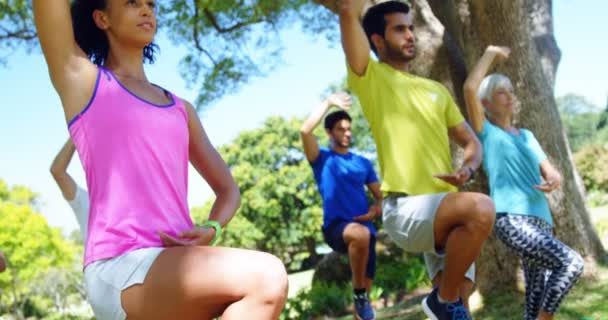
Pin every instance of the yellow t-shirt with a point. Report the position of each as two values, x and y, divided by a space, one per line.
409 117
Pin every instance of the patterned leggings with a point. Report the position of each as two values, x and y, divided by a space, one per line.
550 267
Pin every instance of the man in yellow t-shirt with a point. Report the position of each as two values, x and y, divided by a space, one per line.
412 120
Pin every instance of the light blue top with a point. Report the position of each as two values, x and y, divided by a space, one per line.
512 163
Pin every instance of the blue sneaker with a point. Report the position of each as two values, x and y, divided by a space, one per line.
444 311
363 308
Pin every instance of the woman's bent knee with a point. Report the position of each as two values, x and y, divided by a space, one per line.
272 277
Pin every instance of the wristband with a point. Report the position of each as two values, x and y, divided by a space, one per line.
218 230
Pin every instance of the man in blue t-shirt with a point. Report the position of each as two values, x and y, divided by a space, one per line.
342 176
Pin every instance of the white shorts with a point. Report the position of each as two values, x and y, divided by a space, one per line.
409 221
435 263
106 279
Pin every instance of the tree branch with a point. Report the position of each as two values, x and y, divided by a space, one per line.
331 5
213 20
197 43
23 34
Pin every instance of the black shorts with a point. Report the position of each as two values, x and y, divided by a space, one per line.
333 235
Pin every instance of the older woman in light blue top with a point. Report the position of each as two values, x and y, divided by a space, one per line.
516 167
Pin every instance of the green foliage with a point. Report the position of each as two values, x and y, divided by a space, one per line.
602 123
228 41
297 307
57 316
575 104
231 41
580 129
322 299
398 274
16 27
59 288
602 227
239 233
596 199
328 299
592 164
22 196
601 136
280 208
4 191
32 248
580 118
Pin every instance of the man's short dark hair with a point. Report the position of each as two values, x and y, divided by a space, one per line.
374 21
334 117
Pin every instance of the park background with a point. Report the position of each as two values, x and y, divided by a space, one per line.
253 85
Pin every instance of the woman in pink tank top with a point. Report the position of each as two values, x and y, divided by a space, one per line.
144 257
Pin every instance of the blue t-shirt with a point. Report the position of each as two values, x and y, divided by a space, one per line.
341 179
512 163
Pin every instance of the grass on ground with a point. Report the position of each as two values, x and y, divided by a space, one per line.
588 300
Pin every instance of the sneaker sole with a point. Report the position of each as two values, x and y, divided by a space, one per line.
427 310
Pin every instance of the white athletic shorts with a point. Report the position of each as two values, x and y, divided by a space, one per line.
409 221
106 279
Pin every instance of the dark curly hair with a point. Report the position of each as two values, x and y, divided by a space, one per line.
333 118
92 40
374 21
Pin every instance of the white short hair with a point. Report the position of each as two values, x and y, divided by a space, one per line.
491 83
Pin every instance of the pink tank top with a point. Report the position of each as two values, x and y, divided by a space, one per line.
135 157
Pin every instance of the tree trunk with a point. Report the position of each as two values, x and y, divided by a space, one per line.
451 36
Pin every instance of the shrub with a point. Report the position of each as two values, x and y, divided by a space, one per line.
321 299
401 274
592 164
396 274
